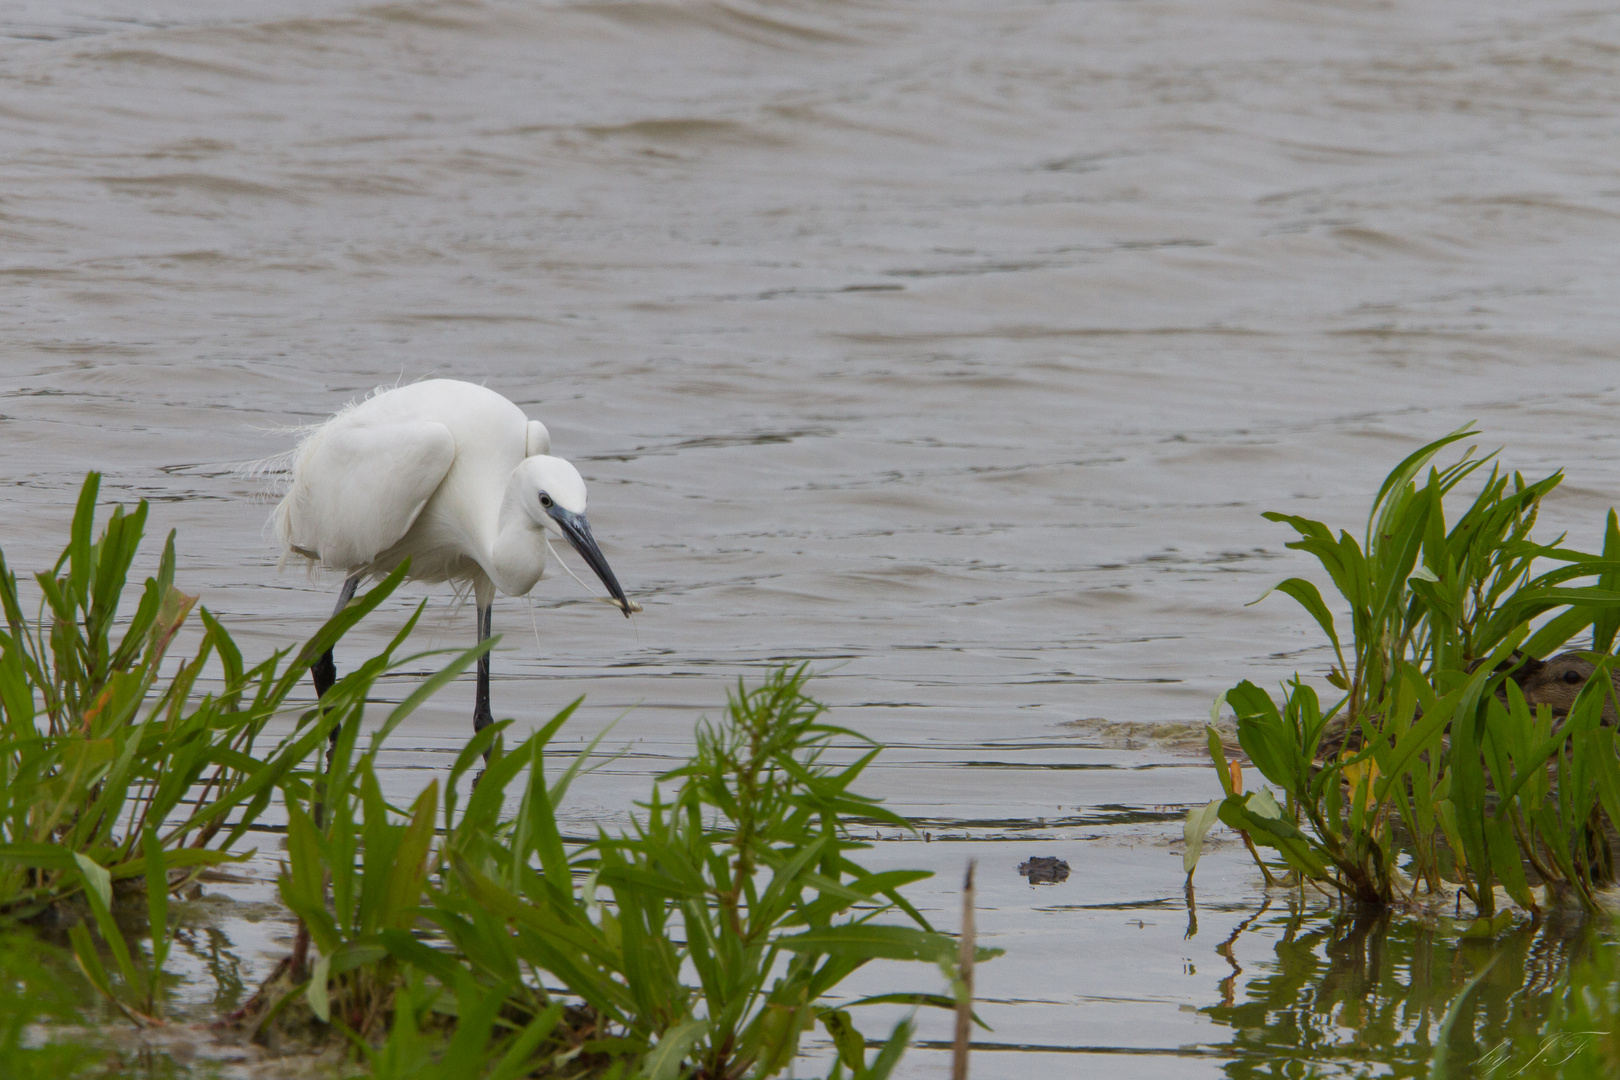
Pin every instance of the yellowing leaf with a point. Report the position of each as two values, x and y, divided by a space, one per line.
172 612
1354 773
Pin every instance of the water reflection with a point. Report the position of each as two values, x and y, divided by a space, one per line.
213 951
1347 990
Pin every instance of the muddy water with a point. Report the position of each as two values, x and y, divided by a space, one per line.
955 346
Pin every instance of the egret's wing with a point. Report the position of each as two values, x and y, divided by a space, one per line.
357 488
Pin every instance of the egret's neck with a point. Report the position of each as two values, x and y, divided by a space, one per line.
518 556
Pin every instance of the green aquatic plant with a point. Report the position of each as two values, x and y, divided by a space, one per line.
744 877
1431 739
355 871
116 776
578 959
1556 783
753 856
138 998
103 745
702 942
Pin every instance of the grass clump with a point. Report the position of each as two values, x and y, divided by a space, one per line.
109 762
1432 761
115 775
744 878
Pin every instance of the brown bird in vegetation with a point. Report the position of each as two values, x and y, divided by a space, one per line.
1556 683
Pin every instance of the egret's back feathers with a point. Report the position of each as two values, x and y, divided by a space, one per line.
416 471
358 488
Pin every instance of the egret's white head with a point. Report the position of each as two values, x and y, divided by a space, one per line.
553 495
552 483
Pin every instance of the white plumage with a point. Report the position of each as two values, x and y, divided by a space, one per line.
448 474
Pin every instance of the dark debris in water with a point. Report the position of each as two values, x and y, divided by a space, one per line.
1044 870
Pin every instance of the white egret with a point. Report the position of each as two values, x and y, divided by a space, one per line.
450 475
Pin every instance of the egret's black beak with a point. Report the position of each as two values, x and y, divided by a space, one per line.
578 531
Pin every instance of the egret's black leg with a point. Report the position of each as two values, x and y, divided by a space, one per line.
324 673
482 717
324 670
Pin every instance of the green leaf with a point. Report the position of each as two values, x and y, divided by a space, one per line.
44 856
868 941
78 552
1217 752
933 1001
181 859
1553 633
889 1055
1199 822
405 948
1404 473
477 1008
1266 737
98 890
157 899
408 872
1606 623
84 951
516 1063
97 882
1424 735
352 955
1506 861
665 1060
1608 774
302 887
1311 600
316 994
16 695
846 1037
1488 928
1258 814
432 685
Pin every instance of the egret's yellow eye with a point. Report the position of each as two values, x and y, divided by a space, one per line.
545 500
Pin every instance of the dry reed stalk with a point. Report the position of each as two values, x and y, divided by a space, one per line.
964 970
